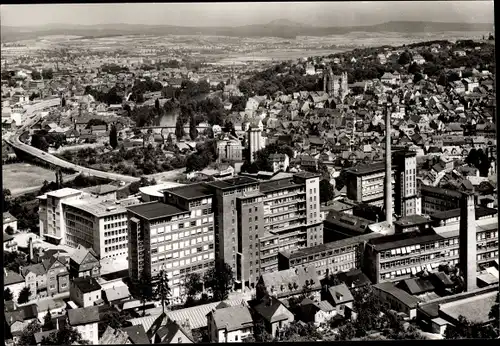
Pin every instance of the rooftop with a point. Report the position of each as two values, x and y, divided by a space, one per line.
398 293
403 239
232 318
475 309
190 192
330 246
155 210
100 207
441 191
87 284
274 185
65 192
101 189
351 222
7 217
83 315
233 183
158 190
453 213
411 220
307 175
367 169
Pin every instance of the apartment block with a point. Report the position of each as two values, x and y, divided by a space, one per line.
405 187
176 237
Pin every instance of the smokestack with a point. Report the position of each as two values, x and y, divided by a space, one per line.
30 243
388 167
467 236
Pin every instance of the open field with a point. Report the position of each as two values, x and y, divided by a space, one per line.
20 176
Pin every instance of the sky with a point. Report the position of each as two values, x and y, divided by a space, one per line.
236 14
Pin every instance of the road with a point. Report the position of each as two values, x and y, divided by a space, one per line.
16 143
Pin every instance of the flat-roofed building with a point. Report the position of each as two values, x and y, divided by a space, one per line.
443 218
365 184
401 256
177 237
331 258
435 199
339 225
51 214
98 223
292 217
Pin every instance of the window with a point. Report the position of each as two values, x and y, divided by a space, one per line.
179 340
236 338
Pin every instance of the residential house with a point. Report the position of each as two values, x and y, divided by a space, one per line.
84 262
167 331
35 277
72 136
85 291
9 221
340 298
116 295
57 275
113 336
14 282
388 78
99 130
9 243
279 162
229 323
316 312
398 299
16 320
273 313
86 320
291 282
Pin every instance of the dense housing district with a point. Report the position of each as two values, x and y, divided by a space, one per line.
342 197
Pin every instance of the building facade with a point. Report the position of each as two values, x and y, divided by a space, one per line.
176 238
255 142
365 184
405 185
436 199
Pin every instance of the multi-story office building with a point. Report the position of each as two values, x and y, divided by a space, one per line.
176 237
405 187
74 218
400 256
330 258
365 184
292 217
50 211
435 199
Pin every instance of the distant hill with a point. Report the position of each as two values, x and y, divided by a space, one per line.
277 28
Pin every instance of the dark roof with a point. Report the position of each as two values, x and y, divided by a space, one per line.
481 211
83 315
102 189
278 184
398 293
411 220
267 307
155 210
332 245
402 239
307 175
192 191
87 284
354 278
233 183
367 169
10 277
445 192
38 269
351 222
417 285
137 334
7 237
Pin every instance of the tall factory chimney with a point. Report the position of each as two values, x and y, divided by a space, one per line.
467 236
388 167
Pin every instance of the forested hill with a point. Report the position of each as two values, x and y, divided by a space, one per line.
277 28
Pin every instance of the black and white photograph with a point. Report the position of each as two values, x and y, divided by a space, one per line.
239 172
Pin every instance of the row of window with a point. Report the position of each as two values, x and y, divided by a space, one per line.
487 255
115 240
418 259
115 232
114 217
415 249
322 254
170 219
187 224
115 247
115 224
175 237
181 262
200 202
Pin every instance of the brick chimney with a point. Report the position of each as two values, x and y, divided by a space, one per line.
388 167
467 236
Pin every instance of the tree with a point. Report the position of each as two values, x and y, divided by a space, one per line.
24 295
260 333
193 132
418 77
161 289
35 75
157 104
193 284
7 295
145 288
63 102
9 230
179 130
65 335
47 321
47 74
219 280
404 58
113 137
494 314
346 332
326 192
27 337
